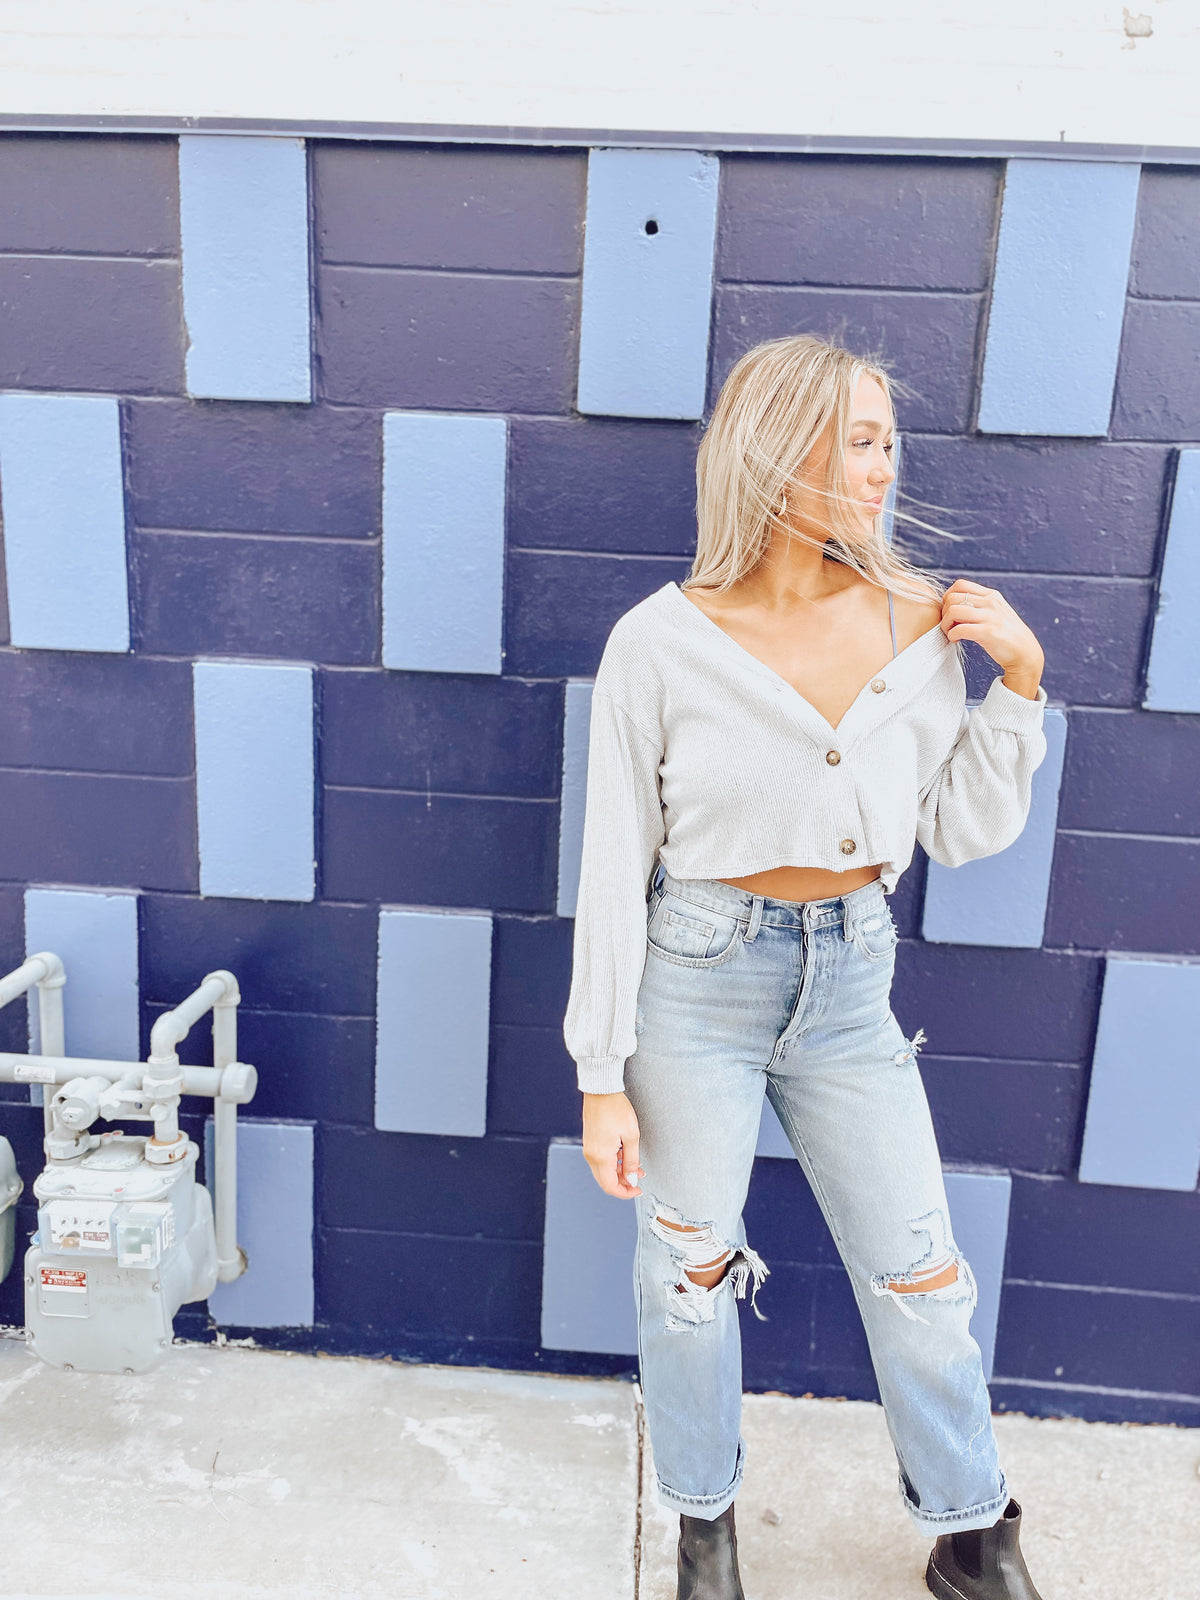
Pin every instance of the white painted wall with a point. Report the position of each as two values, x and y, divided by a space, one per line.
952 69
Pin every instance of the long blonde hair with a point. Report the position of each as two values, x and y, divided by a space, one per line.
773 407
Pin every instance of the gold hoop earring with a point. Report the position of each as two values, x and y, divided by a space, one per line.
781 514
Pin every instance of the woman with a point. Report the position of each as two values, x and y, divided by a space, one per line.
767 742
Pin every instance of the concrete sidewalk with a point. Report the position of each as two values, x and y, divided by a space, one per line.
241 1474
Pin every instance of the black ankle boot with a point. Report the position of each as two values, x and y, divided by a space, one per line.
708 1563
982 1564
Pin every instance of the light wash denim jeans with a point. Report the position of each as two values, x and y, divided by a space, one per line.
744 994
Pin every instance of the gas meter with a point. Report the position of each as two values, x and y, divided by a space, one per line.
126 1235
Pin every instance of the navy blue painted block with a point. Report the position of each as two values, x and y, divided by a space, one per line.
467 208
299 599
531 970
1024 1114
1089 1336
910 224
908 897
14 1034
1094 1405
90 195
1132 772
75 323
82 829
561 608
1158 379
781 1343
301 957
603 483
839 1342
461 732
237 467
783 1220
1115 892
531 1083
90 712
423 1183
1046 505
1166 245
310 1066
1063 1232
446 341
440 850
452 1288
1012 1005
930 339
1092 630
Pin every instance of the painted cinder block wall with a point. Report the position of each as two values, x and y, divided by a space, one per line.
448 280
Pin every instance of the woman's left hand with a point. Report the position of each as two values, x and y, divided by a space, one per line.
972 611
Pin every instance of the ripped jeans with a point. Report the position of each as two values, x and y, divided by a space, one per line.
743 994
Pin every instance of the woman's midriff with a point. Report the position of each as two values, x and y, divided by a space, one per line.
805 883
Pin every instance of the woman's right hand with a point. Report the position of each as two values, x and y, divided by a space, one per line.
610 1143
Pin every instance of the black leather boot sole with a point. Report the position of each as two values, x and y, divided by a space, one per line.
982 1564
708 1563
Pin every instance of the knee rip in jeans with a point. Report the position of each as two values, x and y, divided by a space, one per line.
700 1252
941 1274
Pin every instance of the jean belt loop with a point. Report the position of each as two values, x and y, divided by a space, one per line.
847 920
756 912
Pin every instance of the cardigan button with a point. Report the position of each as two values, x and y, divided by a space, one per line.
848 847
833 757
877 686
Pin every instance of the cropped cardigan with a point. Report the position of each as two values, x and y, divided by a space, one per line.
702 757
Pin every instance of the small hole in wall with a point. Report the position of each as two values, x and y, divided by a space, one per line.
651 226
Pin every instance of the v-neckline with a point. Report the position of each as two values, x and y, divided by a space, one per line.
833 728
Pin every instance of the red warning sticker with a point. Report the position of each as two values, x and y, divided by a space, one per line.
64 1278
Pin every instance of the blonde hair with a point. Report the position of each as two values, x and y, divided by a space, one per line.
775 405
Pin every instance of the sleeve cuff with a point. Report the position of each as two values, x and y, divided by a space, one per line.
1008 712
600 1074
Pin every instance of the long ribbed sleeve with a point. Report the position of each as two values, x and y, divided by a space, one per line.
622 830
978 800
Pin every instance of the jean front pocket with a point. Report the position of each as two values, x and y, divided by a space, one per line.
875 935
691 936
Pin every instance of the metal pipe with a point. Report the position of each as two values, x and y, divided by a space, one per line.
235 1083
231 1258
174 1026
46 970
34 969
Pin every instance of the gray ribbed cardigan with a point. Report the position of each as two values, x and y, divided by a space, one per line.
704 758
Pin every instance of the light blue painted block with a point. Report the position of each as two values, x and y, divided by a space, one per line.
587 1262
243 218
433 1013
62 488
274 1226
643 344
1173 680
979 1203
254 779
1058 300
96 935
889 499
577 719
443 541
1001 900
1143 1111
772 1141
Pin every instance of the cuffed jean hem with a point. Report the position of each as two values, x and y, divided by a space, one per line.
707 1506
933 1523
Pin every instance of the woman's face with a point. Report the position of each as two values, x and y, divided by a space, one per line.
867 457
